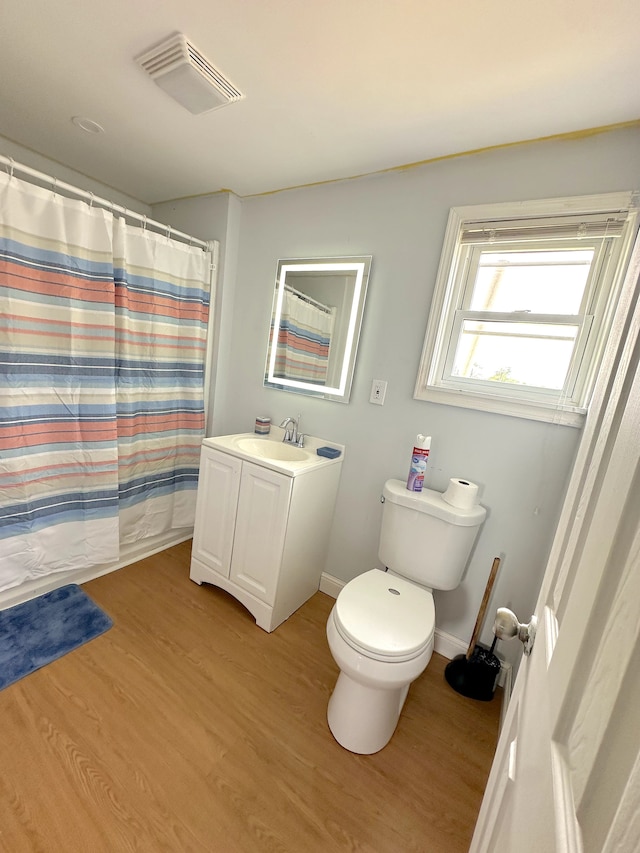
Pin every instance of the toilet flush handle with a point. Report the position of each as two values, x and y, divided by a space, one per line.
382 499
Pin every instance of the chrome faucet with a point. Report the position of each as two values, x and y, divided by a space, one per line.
291 434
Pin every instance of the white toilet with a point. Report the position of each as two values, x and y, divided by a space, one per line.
381 628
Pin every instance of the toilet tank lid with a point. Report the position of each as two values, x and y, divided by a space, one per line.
432 503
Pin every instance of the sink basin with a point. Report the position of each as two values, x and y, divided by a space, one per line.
273 453
273 450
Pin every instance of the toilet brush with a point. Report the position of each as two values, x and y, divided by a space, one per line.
475 674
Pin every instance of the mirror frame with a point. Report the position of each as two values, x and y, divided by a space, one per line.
361 266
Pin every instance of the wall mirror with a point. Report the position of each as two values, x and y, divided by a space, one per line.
315 325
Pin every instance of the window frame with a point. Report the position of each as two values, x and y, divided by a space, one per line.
452 298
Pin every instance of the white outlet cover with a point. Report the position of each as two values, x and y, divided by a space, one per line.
378 392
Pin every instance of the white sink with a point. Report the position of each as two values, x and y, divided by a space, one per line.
274 450
271 452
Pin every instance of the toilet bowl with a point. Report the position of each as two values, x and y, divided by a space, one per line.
381 628
380 633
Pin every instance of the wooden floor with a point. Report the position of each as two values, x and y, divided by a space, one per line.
187 728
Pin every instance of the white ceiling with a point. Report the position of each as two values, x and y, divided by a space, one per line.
334 88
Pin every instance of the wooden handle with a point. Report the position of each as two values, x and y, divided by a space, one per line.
483 605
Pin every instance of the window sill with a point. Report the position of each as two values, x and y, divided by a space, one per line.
549 413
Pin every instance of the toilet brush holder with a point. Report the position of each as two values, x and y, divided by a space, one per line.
475 677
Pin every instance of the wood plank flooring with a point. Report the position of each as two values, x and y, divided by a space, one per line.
187 728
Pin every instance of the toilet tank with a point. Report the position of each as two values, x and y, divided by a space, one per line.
425 539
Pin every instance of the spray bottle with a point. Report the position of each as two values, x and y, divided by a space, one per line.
418 466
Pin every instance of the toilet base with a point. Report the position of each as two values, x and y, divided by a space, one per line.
363 719
369 695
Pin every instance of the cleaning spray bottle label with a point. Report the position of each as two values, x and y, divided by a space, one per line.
419 457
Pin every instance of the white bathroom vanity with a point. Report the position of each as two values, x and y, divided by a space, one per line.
263 515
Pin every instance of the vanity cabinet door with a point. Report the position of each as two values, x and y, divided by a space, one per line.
261 524
218 487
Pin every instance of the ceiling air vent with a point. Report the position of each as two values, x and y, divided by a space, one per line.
184 73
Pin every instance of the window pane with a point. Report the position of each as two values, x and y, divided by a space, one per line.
539 282
515 353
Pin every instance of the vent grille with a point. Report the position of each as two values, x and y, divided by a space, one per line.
176 53
211 72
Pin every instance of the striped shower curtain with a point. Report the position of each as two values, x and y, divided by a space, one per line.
304 341
100 383
162 305
58 430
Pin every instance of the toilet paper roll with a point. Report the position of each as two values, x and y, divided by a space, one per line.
461 493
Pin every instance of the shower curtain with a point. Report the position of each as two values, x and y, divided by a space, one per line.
161 340
101 388
304 340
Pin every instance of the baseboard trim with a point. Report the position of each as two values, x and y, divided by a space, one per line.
447 645
330 585
128 554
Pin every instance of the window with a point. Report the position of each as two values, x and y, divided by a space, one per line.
523 305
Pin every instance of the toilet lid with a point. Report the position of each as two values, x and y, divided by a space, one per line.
385 615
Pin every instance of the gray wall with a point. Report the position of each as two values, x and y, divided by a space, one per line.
400 217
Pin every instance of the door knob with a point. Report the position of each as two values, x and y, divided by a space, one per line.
506 626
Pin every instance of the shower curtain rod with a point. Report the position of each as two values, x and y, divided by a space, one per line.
320 305
92 198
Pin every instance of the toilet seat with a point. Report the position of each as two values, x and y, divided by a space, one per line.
385 617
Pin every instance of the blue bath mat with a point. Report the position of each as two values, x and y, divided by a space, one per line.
41 630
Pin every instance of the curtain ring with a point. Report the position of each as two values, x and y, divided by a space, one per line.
54 184
91 200
12 163
144 222
168 232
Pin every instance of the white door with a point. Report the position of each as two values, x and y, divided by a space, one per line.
261 524
566 775
216 505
